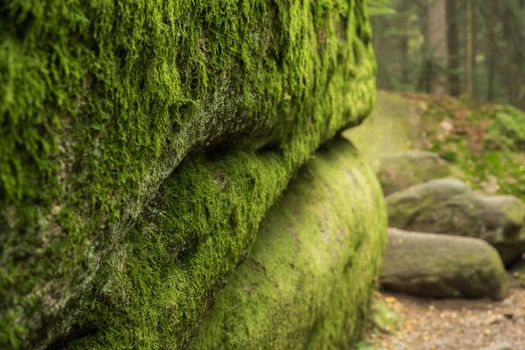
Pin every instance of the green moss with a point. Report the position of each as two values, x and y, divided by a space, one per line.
153 290
308 279
101 101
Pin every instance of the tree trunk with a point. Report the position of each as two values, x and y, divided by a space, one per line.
469 49
454 61
424 70
491 59
404 24
437 54
511 51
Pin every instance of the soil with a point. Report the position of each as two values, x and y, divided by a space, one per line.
430 324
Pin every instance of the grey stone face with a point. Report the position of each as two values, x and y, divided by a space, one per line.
449 206
442 266
402 170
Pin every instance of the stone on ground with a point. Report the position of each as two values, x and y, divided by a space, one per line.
442 266
449 206
307 281
402 170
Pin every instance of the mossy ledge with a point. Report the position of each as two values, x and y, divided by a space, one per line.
101 101
308 279
153 291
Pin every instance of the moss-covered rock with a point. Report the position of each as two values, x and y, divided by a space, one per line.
307 280
442 266
101 101
152 289
449 206
402 170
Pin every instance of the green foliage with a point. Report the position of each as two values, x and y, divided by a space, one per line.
101 101
363 345
507 131
489 149
384 320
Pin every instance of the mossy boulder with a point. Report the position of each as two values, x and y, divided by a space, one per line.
442 266
180 252
449 206
101 102
402 170
307 281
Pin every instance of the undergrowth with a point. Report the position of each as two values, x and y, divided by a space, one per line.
486 142
384 320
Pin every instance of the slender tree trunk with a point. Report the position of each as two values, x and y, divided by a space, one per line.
469 49
424 67
403 44
437 46
405 66
514 31
454 61
491 51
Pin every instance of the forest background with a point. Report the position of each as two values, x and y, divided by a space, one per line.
470 48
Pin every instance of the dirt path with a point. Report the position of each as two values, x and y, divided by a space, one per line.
427 324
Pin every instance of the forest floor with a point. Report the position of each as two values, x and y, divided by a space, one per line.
486 156
483 143
410 323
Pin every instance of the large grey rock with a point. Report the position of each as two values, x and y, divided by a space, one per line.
442 266
402 170
449 206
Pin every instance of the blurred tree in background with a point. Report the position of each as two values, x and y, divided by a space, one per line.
474 48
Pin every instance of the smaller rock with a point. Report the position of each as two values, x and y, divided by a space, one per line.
402 170
442 266
449 206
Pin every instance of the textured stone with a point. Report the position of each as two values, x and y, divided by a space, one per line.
402 170
449 206
442 266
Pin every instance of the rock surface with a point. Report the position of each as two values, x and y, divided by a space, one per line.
101 109
308 278
402 170
442 266
449 206
169 268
